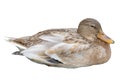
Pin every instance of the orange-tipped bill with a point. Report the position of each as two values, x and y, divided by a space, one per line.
105 38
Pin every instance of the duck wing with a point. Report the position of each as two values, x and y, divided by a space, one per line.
29 41
56 46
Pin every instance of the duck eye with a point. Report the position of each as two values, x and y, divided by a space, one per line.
93 26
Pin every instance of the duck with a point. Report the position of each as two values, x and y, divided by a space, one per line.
67 47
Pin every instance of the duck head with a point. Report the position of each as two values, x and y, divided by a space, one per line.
91 30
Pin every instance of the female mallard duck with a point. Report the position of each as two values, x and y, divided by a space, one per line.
70 48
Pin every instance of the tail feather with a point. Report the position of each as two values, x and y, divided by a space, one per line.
19 43
24 41
9 39
18 52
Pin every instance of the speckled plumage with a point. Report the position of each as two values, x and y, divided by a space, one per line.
69 48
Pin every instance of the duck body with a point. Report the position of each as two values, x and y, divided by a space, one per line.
63 48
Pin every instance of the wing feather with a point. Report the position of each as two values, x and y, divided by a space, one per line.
64 50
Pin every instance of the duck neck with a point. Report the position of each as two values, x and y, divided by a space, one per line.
87 34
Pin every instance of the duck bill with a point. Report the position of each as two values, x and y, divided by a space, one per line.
105 38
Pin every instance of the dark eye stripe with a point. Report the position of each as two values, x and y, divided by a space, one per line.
93 26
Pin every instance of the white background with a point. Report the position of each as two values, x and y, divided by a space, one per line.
26 17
